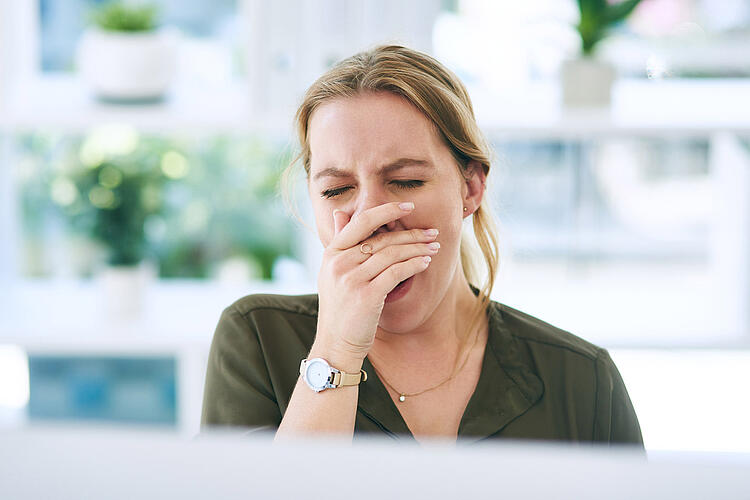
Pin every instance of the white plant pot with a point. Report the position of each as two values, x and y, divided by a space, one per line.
123 290
587 83
124 66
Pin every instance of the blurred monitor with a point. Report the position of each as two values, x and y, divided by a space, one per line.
84 463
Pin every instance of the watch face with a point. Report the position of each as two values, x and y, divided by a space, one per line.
317 373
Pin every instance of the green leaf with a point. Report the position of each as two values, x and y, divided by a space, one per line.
119 16
620 11
596 17
592 7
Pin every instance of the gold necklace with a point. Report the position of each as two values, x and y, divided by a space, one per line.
402 395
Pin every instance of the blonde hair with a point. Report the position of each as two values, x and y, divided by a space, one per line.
440 95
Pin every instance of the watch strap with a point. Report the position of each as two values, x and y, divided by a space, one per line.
341 379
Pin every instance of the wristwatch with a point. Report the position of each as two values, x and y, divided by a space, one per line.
319 375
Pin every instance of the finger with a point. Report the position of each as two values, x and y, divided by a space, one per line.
386 239
395 274
340 219
364 224
381 241
391 255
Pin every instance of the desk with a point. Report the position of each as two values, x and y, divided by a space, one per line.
79 463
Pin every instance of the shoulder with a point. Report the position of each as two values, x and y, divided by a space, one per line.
253 362
305 305
274 331
541 335
269 319
567 374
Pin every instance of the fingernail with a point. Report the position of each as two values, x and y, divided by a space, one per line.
427 259
430 232
434 245
407 205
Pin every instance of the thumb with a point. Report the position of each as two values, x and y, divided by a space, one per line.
340 219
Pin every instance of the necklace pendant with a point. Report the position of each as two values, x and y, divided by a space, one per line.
402 398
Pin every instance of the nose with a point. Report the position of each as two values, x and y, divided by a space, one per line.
372 195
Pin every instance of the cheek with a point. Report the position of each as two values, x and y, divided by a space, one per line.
324 225
445 217
450 236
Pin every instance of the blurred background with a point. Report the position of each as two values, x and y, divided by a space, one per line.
141 146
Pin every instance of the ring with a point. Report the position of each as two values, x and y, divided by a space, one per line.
365 248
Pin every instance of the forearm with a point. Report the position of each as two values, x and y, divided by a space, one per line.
329 412
358 270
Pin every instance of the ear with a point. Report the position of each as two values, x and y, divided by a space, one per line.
474 178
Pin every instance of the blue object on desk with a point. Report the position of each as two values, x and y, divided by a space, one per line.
107 389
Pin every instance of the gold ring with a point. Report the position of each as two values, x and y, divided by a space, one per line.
365 248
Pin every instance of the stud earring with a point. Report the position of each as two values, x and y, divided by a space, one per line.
465 209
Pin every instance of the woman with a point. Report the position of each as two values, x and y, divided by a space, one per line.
400 339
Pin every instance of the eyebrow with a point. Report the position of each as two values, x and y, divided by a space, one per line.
387 168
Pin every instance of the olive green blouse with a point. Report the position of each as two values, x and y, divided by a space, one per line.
537 381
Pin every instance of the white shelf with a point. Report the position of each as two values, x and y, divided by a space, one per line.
672 107
676 107
64 103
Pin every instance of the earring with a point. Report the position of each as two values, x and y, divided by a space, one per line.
465 209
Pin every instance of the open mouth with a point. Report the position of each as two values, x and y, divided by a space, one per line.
399 290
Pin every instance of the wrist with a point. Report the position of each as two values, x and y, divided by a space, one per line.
338 357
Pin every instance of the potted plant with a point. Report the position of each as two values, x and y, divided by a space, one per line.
124 55
586 80
114 198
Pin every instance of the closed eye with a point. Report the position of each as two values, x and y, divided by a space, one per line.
331 193
409 184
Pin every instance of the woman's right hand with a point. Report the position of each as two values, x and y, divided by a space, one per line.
353 285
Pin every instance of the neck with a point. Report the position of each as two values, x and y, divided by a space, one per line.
437 341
